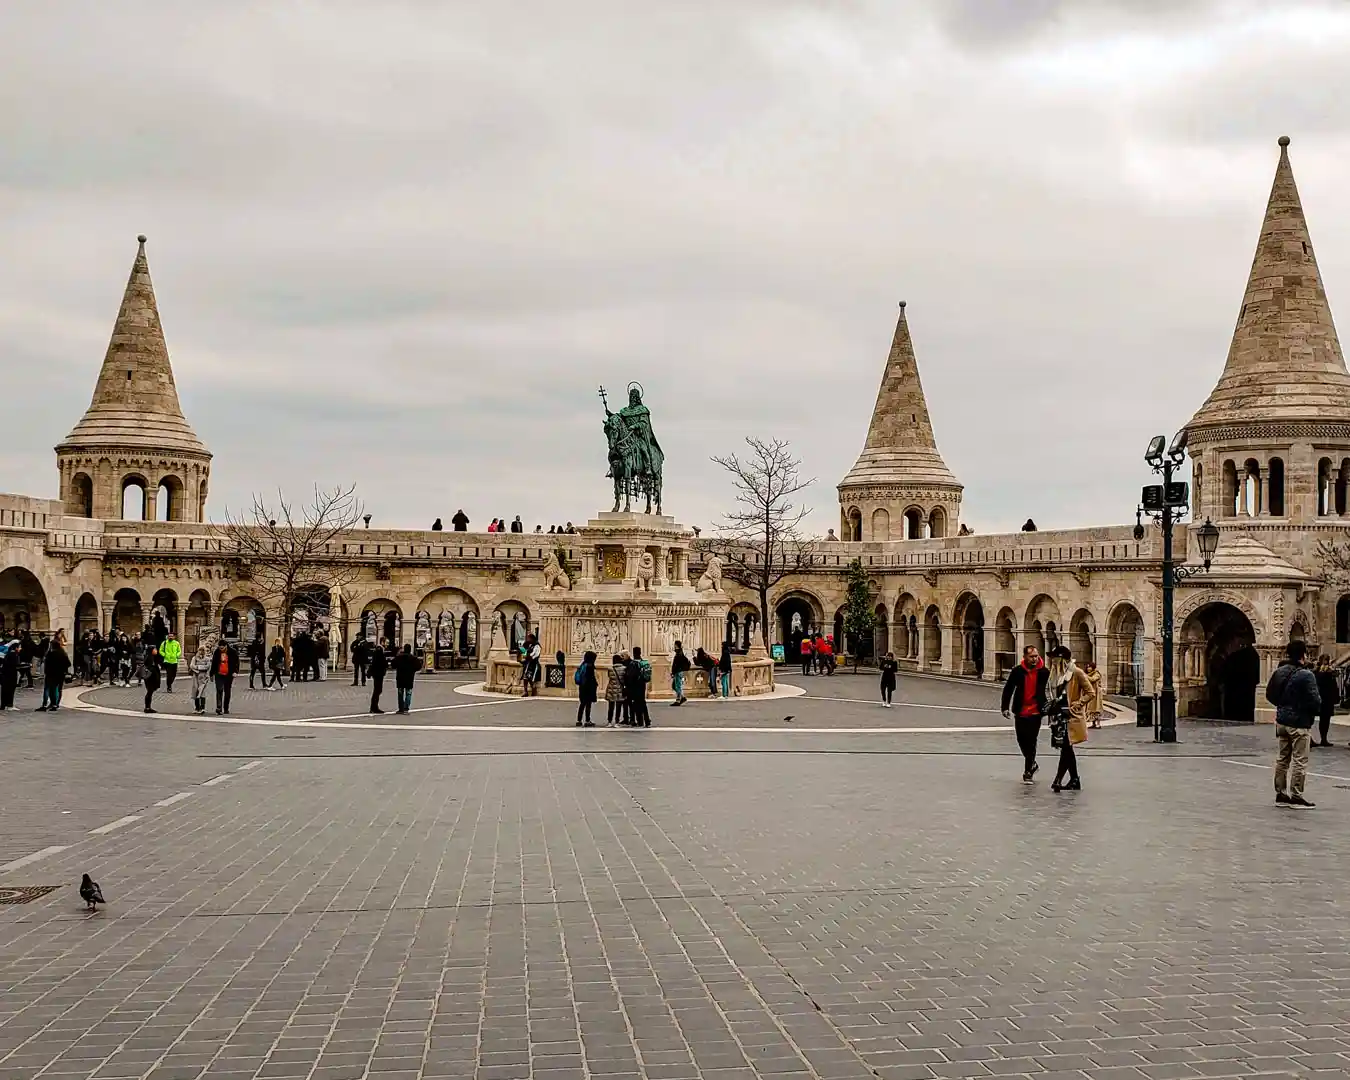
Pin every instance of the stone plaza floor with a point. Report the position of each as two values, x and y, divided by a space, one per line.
482 890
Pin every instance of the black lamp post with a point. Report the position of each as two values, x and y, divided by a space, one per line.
1168 501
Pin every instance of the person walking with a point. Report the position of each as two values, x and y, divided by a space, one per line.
9 675
150 670
724 669
276 661
531 666
379 664
807 651
588 686
888 671
172 653
406 667
54 669
224 667
1293 692
360 657
679 666
1098 704
1068 696
257 659
614 691
636 678
199 667
1329 692
1024 705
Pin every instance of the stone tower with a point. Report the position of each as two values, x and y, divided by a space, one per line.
899 488
134 434
1270 447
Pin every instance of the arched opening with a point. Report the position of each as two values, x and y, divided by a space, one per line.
1197 488
195 622
913 523
932 638
881 633
1083 637
1342 485
1219 665
1251 488
1125 651
853 524
169 499
1275 488
970 621
134 504
1042 624
201 501
80 502
1343 621
163 615
382 618
86 615
914 637
242 619
742 625
906 644
23 601
454 614
881 524
798 615
310 610
127 617
512 620
1005 642
937 522
1230 490
732 635
750 631
1325 494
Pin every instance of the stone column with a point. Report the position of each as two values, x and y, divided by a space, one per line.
180 622
662 556
108 610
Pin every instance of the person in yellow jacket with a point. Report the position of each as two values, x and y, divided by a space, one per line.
1069 694
170 653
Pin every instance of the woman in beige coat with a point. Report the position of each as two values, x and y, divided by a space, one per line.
1070 694
1098 704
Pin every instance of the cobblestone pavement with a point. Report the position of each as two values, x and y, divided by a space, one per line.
333 903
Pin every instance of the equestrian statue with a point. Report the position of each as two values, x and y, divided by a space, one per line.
635 457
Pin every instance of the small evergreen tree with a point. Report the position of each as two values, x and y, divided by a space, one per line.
859 617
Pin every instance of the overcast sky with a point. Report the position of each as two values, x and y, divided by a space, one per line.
402 243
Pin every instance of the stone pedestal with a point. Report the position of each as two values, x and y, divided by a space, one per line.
632 588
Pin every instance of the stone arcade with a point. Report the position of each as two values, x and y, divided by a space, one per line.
1271 466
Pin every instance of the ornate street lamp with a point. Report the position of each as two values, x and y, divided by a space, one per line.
1169 501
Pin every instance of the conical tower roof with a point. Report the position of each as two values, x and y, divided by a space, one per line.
135 402
900 448
1285 361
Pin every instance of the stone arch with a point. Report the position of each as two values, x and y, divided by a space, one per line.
1042 622
1300 626
1275 487
1125 650
742 625
201 501
914 523
242 618
1229 493
128 615
907 626
1217 663
937 521
169 499
1326 495
80 498
163 614
881 524
809 615
1343 620
968 621
932 638
23 601
381 618
881 632
86 615
135 487
197 628
509 613
1083 637
1005 641
455 615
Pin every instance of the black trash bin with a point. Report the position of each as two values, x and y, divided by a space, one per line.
1143 711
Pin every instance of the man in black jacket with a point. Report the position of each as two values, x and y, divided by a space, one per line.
224 667
406 666
460 521
1293 692
360 654
636 676
257 655
1024 705
379 664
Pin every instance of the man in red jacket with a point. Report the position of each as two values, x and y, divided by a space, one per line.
1024 705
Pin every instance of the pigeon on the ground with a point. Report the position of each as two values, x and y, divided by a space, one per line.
90 893
787 719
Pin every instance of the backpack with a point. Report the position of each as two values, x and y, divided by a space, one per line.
646 670
579 676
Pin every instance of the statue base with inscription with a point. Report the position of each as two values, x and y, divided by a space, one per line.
632 588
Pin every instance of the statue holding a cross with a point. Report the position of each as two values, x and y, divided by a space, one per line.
635 457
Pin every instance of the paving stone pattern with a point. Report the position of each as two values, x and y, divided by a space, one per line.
495 905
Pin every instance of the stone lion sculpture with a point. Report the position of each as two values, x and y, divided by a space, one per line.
711 580
646 570
554 575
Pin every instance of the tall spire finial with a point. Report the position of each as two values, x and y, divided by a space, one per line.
1284 361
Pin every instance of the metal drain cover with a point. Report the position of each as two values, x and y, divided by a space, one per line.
24 894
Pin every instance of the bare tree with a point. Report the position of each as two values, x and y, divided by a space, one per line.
281 548
1335 558
760 541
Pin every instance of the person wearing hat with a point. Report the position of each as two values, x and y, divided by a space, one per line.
1069 696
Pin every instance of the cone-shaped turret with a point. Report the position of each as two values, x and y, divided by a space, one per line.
1285 360
135 401
900 448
